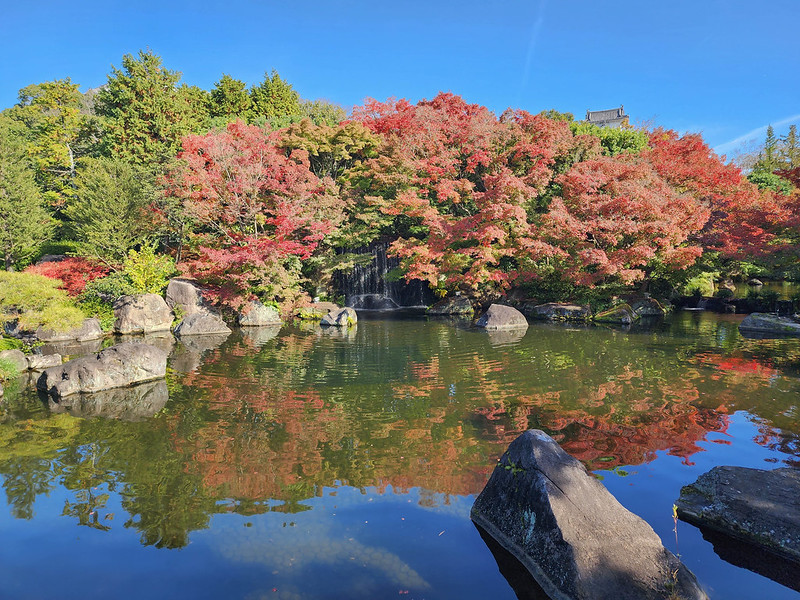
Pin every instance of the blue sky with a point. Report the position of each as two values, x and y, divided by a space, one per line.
725 68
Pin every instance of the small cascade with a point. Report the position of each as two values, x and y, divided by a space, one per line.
366 287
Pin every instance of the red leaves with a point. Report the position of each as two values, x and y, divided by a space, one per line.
73 272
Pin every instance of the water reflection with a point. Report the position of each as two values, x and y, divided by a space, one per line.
261 423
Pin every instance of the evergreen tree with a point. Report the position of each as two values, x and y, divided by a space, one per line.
789 151
229 100
275 98
768 161
146 113
24 222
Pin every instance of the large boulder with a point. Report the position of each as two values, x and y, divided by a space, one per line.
89 330
255 314
499 316
756 506
620 314
201 323
769 324
647 307
143 313
571 534
557 311
135 403
454 305
343 317
118 366
184 297
16 358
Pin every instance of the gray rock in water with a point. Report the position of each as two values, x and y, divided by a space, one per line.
89 330
455 305
765 324
143 313
755 282
134 403
201 323
557 311
499 316
118 366
756 506
186 296
622 314
40 362
647 307
343 317
255 314
570 533
316 310
16 358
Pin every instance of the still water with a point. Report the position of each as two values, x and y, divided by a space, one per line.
304 463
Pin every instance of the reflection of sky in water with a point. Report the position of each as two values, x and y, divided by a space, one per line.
375 544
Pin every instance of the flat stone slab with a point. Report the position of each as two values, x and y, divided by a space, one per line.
769 324
571 534
753 505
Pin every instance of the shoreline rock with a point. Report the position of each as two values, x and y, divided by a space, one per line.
572 535
769 324
557 311
255 314
118 366
344 317
143 313
454 305
500 316
201 323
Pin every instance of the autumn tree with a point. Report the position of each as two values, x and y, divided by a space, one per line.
259 211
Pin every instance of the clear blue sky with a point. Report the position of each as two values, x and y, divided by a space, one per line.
725 68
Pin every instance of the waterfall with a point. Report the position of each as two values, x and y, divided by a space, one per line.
366 286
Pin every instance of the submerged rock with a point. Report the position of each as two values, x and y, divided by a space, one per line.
571 534
118 366
455 305
557 311
134 403
143 313
622 313
764 323
756 506
499 316
255 314
343 317
201 323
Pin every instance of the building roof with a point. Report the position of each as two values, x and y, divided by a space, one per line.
611 117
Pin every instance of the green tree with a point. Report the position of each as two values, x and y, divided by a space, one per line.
768 159
229 100
24 221
275 98
789 151
146 114
322 112
109 215
58 131
198 102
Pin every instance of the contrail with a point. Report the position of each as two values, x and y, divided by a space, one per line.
755 133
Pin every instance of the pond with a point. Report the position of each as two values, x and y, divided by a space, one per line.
304 463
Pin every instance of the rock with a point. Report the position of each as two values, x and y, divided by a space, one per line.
89 330
727 284
647 307
255 314
143 313
72 348
455 305
769 324
186 296
16 358
556 311
499 316
756 506
755 282
201 323
622 313
117 366
570 533
343 317
127 404
317 310
40 362
372 302
188 355
48 258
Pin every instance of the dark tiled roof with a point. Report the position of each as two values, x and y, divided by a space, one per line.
604 116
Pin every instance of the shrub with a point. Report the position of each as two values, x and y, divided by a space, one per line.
34 300
109 288
148 272
73 272
724 293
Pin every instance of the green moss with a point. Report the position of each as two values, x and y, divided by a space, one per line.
34 301
7 369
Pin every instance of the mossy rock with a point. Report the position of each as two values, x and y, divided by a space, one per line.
620 314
